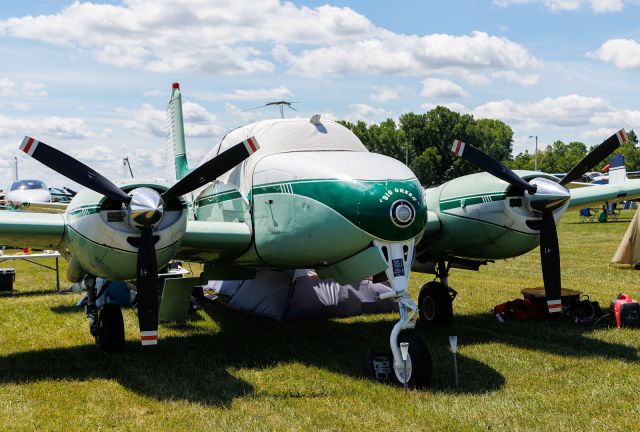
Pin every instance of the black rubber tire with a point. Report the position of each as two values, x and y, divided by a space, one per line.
111 328
435 305
421 363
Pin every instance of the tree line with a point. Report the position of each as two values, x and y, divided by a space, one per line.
425 140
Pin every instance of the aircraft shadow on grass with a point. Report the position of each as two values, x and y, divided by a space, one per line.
561 337
194 367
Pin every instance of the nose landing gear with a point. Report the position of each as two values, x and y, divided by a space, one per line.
417 373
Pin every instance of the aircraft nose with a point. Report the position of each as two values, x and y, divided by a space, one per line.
549 196
393 209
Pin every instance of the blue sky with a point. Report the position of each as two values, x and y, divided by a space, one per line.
92 78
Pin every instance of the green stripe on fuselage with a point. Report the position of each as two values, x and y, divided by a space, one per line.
84 210
365 203
218 197
471 200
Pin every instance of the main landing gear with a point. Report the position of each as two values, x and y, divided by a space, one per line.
416 370
435 301
105 323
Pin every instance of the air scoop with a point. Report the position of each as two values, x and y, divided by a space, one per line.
549 195
146 207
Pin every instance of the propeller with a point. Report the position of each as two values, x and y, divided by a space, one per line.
545 196
146 208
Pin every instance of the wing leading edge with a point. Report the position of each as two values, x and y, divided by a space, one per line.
36 230
584 196
211 241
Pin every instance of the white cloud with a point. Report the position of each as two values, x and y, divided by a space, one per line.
386 94
153 93
570 111
253 94
453 106
597 6
147 120
366 113
93 154
58 127
513 76
24 107
239 38
243 116
7 87
441 88
32 89
390 53
623 53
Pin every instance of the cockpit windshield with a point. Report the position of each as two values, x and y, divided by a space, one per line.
27 185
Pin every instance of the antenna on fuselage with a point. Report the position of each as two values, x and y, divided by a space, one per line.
280 104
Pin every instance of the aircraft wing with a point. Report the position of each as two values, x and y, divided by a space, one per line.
585 196
42 207
37 230
209 241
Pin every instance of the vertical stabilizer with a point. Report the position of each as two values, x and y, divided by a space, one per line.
15 168
617 170
176 147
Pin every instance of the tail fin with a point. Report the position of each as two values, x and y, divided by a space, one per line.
617 170
176 147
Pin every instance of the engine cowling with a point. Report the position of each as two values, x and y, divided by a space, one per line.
102 237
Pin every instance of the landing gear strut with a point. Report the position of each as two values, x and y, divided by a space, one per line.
399 256
435 301
105 324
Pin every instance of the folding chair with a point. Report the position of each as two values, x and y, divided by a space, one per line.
586 215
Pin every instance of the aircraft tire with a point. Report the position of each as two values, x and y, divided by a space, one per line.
435 305
419 363
111 330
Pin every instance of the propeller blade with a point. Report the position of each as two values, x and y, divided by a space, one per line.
550 258
489 164
147 286
71 168
596 156
212 169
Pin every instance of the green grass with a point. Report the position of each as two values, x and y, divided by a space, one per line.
228 371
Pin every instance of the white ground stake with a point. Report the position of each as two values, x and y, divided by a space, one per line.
404 351
453 341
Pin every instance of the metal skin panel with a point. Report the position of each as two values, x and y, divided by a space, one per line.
309 233
331 209
39 231
214 241
476 220
98 239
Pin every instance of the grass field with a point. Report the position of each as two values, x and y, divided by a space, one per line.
226 371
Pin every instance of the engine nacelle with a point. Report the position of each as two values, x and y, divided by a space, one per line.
102 240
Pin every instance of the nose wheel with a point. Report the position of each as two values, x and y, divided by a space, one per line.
416 369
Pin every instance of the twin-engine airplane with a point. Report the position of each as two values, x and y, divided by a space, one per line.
291 194
501 214
277 194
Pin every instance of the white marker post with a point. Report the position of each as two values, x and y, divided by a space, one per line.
404 350
453 341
